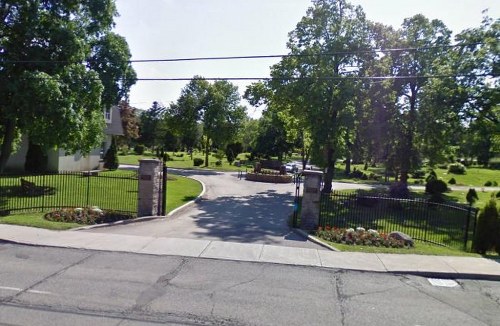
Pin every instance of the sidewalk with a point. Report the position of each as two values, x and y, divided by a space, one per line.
430 266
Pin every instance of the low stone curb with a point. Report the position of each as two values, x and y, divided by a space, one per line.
146 218
314 239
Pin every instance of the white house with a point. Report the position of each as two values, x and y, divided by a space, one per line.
59 161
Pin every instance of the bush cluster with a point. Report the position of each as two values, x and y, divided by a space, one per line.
399 190
139 149
452 181
360 236
457 168
487 235
436 186
197 161
490 184
86 215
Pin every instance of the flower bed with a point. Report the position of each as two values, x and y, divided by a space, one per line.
360 236
87 215
271 178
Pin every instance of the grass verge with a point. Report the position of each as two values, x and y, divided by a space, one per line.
421 248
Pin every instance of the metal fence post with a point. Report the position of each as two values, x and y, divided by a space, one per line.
164 193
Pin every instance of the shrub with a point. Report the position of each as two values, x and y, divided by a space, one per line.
443 166
232 151
139 149
111 157
498 194
218 163
488 184
436 186
357 174
36 159
432 176
399 190
87 215
471 196
452 181
457 168
197 161
360 236
487 228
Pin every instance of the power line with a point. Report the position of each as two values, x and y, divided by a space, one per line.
270 56
376 78
305 55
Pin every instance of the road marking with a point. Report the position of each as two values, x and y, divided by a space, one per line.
442 282
8 288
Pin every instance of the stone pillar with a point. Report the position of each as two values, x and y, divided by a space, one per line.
149 186
309 216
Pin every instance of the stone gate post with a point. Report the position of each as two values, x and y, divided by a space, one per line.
309 217
149 186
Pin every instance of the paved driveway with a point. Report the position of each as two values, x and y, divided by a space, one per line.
230 210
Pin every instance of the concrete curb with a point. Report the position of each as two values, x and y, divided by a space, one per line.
315 240
147 218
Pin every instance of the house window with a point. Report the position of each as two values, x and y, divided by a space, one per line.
107 114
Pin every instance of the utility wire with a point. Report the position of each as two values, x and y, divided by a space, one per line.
377 78
270 56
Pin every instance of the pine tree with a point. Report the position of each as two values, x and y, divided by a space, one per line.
111 157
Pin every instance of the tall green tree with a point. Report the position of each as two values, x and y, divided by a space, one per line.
479 62
52 66
327 49
149 124
429 39
216 106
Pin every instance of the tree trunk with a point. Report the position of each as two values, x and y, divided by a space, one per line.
330 168
347 164
9 134
207 145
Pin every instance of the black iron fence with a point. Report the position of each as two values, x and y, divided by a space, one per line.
448 224
113 190
297 202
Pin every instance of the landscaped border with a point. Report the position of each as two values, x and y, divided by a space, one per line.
283 178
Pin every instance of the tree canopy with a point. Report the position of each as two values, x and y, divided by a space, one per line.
362 91
60 64
216 106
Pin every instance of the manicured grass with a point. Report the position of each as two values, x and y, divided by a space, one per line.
182 160
36 220
111 190
180 190
475 176
420 248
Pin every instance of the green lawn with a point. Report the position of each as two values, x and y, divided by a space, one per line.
108 193
181 160
421 248
475 176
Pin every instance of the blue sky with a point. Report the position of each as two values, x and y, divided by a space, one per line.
162 29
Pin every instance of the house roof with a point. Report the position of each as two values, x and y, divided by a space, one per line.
115 127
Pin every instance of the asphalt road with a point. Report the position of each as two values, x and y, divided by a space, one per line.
231 209
54 286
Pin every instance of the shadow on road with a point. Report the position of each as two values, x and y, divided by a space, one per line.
262 217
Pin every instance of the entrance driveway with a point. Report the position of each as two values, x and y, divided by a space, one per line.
231 209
